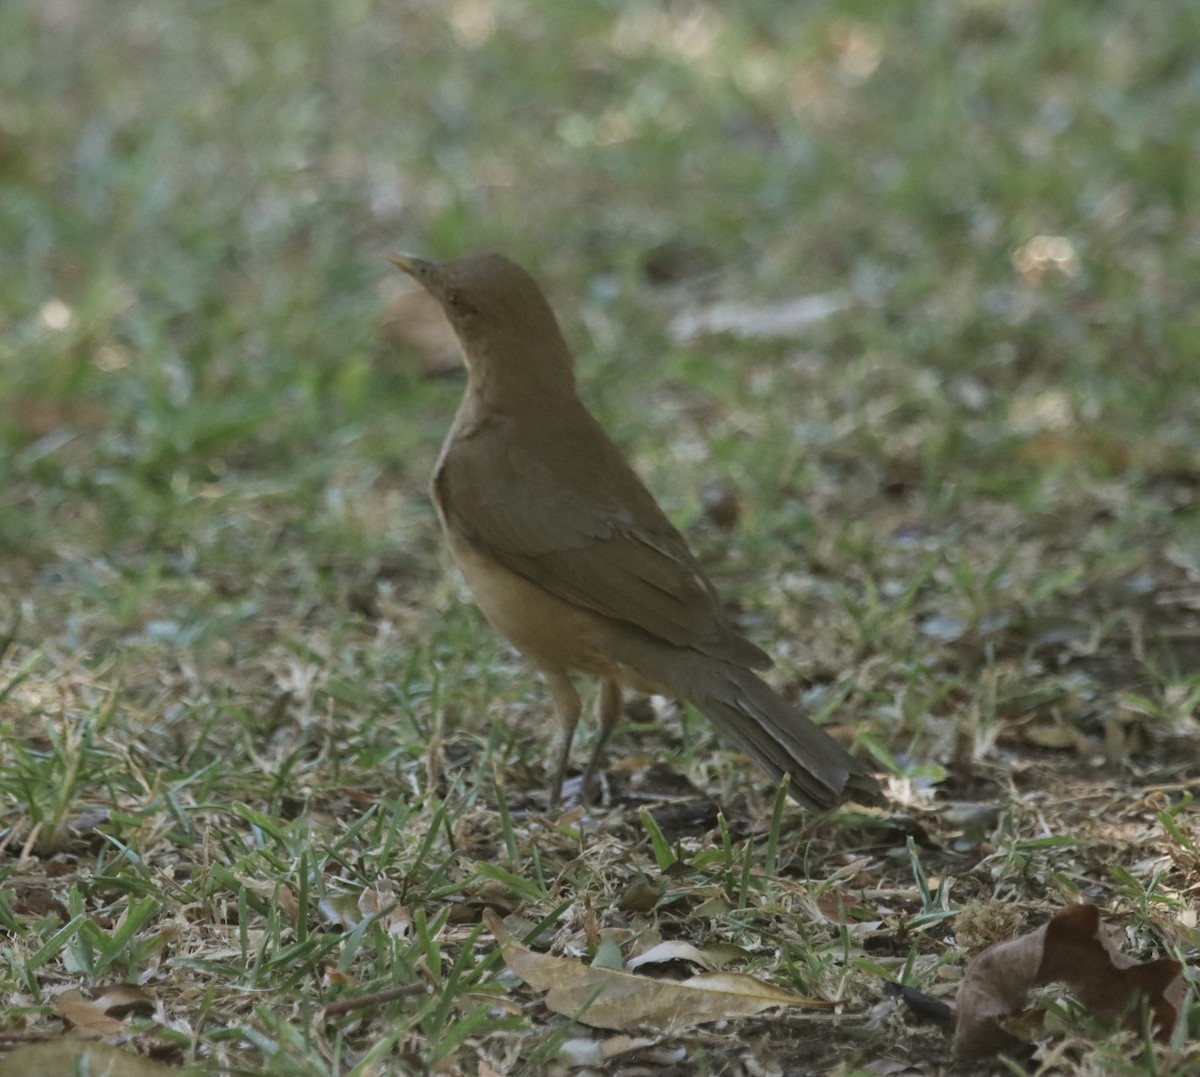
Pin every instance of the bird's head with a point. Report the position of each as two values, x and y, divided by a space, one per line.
508 332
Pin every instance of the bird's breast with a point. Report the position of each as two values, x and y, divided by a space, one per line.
550 632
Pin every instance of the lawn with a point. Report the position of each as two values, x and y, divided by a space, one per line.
894 307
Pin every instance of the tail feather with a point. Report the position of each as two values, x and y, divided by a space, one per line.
748 713
745 711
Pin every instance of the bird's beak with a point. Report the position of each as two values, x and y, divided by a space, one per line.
417 268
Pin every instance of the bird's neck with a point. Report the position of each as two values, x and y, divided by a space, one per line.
520 378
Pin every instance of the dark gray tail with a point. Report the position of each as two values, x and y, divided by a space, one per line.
746 712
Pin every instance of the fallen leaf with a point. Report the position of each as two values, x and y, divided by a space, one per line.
1075 948
611 998
86 1018
68 1057
1082 952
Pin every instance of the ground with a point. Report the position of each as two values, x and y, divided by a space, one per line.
893 306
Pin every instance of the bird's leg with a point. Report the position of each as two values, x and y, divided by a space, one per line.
567 708
609 708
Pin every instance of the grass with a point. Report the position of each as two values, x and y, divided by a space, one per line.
259 753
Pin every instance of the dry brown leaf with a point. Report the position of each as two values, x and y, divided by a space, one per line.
1077 949
611 998
68 1057
103 1016
1083 953
86 1018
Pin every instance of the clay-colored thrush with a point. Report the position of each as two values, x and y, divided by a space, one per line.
571 559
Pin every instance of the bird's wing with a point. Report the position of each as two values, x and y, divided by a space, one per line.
622 561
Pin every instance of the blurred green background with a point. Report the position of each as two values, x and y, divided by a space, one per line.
196 198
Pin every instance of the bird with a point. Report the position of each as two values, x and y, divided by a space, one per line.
569 557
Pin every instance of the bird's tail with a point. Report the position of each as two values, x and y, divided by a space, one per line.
748 713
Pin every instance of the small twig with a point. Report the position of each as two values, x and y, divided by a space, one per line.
362 1002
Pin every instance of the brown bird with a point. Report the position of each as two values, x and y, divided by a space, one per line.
570 557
